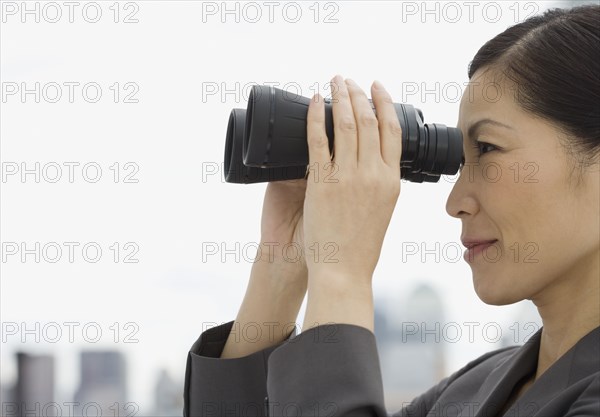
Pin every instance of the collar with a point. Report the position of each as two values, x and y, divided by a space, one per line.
579 362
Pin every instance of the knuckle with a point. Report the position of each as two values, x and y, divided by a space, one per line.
348 124
368 120
318 140
393 126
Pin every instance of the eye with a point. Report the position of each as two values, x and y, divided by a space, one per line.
484 145
479 146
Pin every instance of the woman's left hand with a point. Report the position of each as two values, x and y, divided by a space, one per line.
347 213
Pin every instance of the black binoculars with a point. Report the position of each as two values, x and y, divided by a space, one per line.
267 141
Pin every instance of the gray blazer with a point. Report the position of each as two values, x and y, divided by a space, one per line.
334 370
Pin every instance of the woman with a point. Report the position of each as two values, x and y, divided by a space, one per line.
545 114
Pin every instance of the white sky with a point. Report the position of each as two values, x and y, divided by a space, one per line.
171 54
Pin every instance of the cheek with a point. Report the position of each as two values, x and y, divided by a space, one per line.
531 217
518 207
512 198
521 192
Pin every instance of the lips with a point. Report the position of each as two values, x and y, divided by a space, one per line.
476 247
472 242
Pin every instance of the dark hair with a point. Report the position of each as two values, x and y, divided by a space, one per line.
554 60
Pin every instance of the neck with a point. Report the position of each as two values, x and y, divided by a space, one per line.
569 310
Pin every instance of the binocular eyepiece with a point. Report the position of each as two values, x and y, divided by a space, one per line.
267 141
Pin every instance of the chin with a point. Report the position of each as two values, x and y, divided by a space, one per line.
492 292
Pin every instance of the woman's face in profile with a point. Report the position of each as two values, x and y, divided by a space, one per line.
516 188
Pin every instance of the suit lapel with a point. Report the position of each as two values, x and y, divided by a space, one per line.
577 363
496 388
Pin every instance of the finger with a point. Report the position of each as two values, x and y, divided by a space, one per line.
369 149
390 131
344 126
318 144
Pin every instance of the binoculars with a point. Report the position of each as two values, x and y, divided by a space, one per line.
267 141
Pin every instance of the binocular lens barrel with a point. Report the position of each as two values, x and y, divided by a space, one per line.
267 141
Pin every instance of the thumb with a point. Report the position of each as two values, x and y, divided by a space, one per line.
318 144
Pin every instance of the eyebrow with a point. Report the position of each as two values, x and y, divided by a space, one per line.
474 128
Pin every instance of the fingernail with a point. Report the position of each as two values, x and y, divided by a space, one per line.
350 82
338 79
377 85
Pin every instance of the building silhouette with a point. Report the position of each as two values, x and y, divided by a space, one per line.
33 393
169 396
103 385
410 345
3 398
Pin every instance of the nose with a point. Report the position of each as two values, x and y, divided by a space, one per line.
462 201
